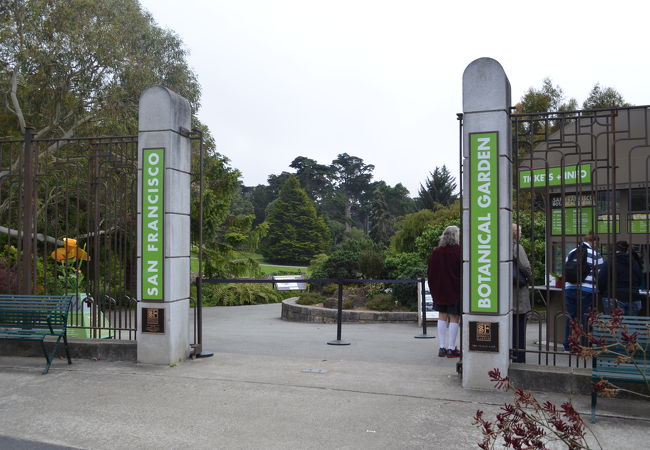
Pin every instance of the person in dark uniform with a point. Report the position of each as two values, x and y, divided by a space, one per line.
443 272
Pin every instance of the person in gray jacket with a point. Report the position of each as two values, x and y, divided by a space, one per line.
520 298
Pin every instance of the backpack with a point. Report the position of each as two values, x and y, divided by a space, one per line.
576 268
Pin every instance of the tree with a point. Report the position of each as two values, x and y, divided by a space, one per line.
430 236
409 228
295 232
72 66
352 180
315 179
224 231
600 97
388 203
383 222
438 190
547 98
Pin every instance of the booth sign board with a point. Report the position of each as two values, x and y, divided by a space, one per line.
290 285
552 176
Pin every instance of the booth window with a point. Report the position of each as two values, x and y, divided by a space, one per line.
603 199
639 200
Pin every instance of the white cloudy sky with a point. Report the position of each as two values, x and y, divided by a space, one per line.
381 80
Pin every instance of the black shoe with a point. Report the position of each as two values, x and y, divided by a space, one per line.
442 352
455 353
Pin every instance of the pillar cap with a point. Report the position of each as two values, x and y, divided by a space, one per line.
485 86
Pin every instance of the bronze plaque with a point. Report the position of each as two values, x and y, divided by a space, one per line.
484 336
153 320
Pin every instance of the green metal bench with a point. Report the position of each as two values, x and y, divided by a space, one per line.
33 318
607 365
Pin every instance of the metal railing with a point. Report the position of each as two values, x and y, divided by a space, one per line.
340 282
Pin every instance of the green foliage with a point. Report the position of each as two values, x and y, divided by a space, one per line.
8 279
310 298
388 203
533 232
547 98
79 66
352 178
405 266
381 302
328 290
240 294
438 190
430 236
351 259
409 228
295 232
340 264
224 233
371 263
604 97
316 179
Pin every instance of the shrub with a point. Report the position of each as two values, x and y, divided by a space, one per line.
341 264
333 303
241 294
381 302
8 280
371 263
328 290
310 298
405 266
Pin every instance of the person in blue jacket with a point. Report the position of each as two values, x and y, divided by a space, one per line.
579 296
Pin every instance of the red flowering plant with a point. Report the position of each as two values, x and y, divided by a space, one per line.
610 336
528 424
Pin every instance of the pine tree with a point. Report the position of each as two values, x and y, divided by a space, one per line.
296 233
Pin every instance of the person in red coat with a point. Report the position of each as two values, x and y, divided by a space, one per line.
443 276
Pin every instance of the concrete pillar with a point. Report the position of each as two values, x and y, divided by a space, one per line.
487 199
164 165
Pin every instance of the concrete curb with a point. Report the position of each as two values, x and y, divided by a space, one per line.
100 349
565 380
314 314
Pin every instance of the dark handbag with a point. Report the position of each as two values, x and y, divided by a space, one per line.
519 278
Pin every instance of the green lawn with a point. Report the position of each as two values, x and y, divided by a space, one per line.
270 268
266 268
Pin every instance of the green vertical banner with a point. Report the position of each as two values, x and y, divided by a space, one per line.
484 223
153 219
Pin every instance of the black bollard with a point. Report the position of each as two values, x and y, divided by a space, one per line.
339 319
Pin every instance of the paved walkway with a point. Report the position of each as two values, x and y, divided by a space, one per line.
270 385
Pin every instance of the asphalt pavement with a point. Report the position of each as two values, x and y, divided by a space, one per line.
272 384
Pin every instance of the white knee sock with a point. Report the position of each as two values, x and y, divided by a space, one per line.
453 332
442 333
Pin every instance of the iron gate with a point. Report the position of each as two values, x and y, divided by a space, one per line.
68 212
575 172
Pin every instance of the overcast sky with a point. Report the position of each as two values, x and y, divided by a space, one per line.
381 80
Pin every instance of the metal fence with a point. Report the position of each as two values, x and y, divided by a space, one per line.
83 189
319 281
576 172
